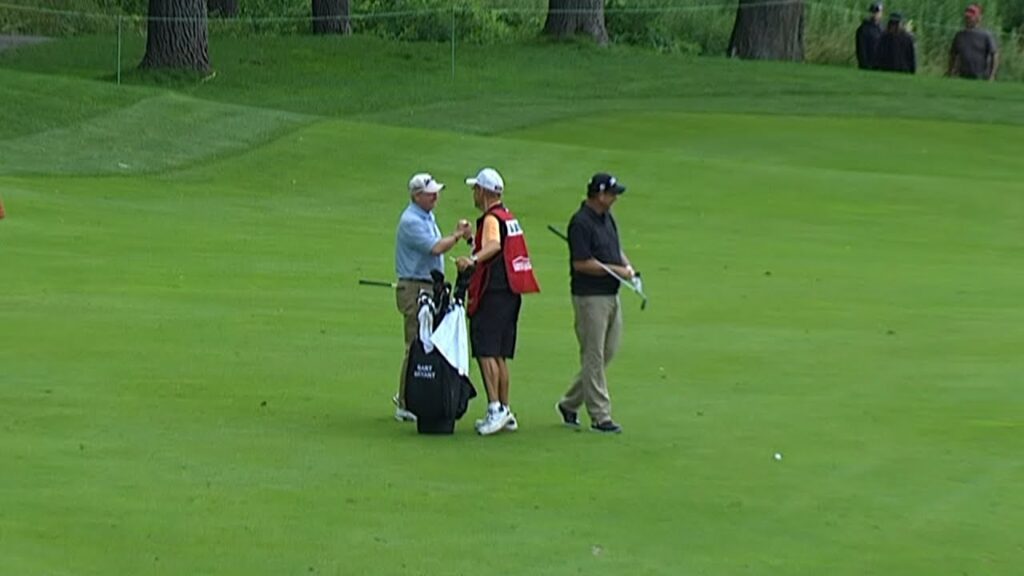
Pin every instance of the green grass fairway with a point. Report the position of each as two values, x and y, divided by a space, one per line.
192 382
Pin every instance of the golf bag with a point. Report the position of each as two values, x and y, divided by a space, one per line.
437 391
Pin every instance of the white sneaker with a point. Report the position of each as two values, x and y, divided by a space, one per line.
403 415
494 422
512 425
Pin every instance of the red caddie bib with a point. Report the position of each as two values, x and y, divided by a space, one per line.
514 256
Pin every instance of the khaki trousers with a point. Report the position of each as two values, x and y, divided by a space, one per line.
406 294
598 330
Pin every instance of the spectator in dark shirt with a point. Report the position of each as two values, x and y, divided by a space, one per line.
896 48
868 34
974 53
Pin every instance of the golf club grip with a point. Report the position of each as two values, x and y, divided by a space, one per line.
607 269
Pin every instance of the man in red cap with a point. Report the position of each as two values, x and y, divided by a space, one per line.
974 53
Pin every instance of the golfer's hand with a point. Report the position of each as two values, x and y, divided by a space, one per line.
626 272
637 283
462 263
463 230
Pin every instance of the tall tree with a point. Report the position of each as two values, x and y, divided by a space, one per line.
331 17
222 8
567 18
768 30
177 35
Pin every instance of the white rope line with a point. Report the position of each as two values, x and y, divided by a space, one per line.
239 19
855 14
423 11
370 16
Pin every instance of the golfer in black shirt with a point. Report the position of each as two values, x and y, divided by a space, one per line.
594 240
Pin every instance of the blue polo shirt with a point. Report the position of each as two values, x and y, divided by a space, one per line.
417 234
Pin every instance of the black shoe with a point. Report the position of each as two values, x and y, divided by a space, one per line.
569 418
608 427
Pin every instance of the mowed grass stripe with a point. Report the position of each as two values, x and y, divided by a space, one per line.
38 103
506 86
154 134
894 147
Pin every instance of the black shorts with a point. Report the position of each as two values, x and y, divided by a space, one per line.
492 330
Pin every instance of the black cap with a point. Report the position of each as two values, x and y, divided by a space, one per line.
602 182
896 17
875 7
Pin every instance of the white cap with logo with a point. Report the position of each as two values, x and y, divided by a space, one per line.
488 179
424 182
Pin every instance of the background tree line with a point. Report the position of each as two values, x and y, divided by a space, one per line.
818 31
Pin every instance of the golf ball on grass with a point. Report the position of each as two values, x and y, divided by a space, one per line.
778 456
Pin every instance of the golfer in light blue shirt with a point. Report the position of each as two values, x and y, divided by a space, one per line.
419 249
417 235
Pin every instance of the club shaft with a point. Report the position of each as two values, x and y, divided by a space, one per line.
558 232
603 266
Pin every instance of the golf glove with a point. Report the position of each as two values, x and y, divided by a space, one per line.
637 283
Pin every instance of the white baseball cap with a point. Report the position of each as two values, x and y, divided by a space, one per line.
424 182
488 179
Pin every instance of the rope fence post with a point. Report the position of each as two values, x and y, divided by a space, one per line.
119 42
453 41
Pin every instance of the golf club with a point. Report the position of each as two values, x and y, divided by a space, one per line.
635 285
380 283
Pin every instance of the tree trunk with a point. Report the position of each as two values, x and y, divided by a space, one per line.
176 35
223 8
768 31
566 18
331 17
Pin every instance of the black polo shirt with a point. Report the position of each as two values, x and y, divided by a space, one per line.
593 235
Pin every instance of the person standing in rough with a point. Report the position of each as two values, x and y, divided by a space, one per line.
869 33
974 53
896 51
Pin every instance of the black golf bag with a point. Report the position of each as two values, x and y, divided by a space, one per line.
435 391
